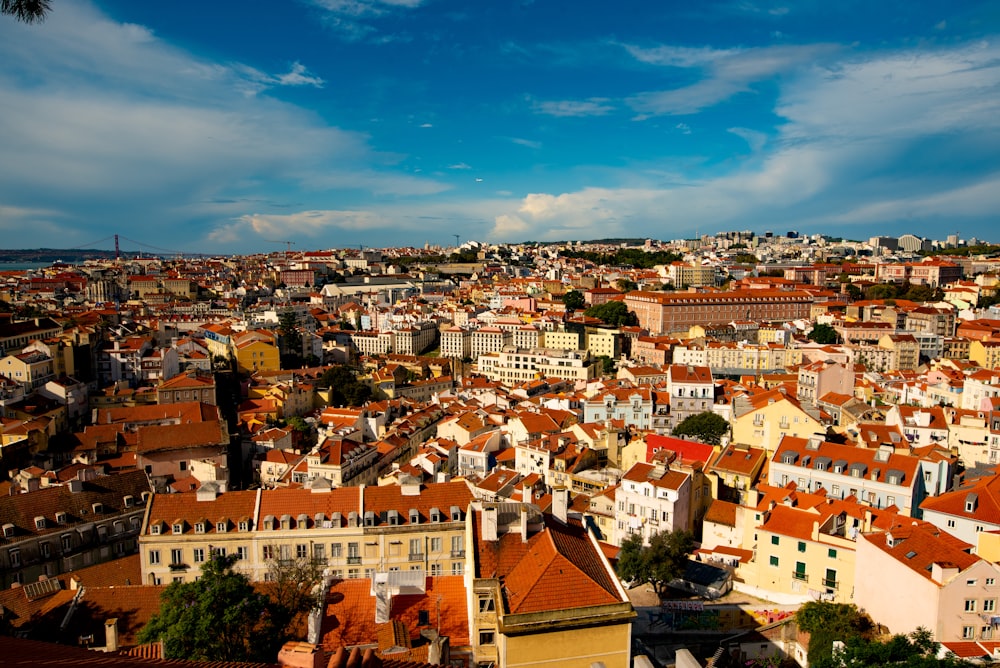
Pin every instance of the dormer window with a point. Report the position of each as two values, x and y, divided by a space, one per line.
129 501
8 530
393 518
435 515
369 518
98 508
971 502
178 527
414 516
154 529
199 527
456 514
244 525
39 522
60 518
221 527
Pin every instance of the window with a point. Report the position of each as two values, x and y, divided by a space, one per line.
486 604
268 552
154 557
435 569
457 568
241 553
416 548
301 551
970 605
970 583
986 632
457 546
176 557
968 633
335 550
220 527
436 544
774 561
990 581
775 540
832 553
951 524
487 637
67 542
989 604
352 573
46 550
319 552
199 555
800 571
802 546
199 527
178 528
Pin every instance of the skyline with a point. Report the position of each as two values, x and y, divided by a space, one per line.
334 123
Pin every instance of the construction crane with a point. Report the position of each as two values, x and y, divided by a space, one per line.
288 245
456 240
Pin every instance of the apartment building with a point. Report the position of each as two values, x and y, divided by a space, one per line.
662 313
512 366
354 531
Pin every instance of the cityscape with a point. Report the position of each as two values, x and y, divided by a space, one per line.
625 452
529 334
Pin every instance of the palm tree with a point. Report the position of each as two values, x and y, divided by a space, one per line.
27 11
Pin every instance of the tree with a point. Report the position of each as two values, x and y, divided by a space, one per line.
345 390
660 562
219 617
707 427
626 285
916 650
614 313
295 588
573 299
824 334
882 291
827 622
607 364
27 11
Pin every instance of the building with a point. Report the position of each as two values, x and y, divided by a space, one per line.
355 531
541 593
51 530
662 313
652 498
512 366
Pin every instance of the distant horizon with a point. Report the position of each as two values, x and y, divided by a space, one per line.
336 124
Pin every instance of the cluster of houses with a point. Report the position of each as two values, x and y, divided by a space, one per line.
471 510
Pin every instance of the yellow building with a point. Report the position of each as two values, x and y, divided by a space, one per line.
564 340
355 531
541 591
985 353
763 420
256 352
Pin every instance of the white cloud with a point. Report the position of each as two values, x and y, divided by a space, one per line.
426 125
520 141
683 128
350 18
754 138
728 73
595 106
107 116
459 165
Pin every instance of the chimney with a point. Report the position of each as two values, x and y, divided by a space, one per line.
489 523
560 504
524 523
111 635
526 494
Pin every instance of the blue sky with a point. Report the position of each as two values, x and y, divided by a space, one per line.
222 127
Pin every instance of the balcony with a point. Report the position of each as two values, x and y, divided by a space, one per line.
457 554
799 575
830 584
178 567
353 560
416 556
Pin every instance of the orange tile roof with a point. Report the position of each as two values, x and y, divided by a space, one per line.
231 507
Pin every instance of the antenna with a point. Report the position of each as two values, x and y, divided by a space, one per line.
288 245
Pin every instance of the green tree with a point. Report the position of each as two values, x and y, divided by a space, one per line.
345 389
573 299
707 427
27 11
626 285
295 589
882 291
824 334
614 313
916 650
219 617
607 364
827 622
658 563
746 258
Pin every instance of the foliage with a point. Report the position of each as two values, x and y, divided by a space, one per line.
625 257
298 424
965 251
917 650
613 313
626 285
824 334
573 299
219 617
607 364
827 622
464 256
658 563
294 587
707 427
746 258
26 11
345 389
882 291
